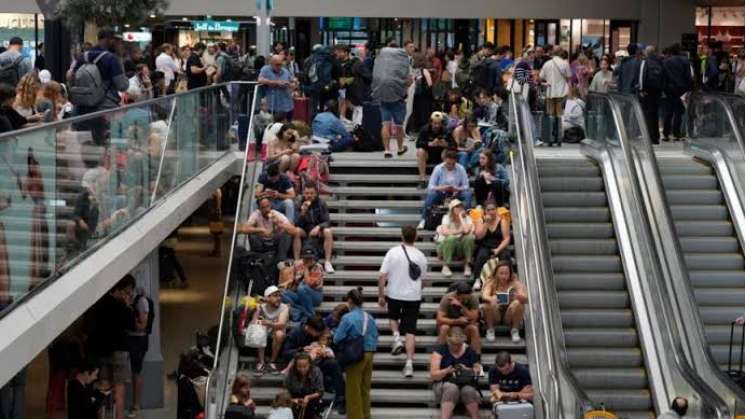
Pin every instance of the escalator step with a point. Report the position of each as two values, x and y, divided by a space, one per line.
584 247
605 357
583 317
579 230
599 281
587 264
690 182
571 184
593 299
601 337
700 213
577 214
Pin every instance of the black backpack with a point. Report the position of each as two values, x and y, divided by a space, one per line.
150 311
654 75
9 72
232 69
481 74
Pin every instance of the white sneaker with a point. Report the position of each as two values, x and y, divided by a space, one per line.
515 335
408 369
467 271
539 143
490 335
477 284
398 348
481 371
446 271
420 226
328 267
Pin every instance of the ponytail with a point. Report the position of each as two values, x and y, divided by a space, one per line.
355 296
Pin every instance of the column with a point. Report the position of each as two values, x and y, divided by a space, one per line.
147 274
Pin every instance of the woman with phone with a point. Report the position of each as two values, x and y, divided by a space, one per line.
504 298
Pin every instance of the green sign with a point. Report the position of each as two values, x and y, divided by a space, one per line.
215 26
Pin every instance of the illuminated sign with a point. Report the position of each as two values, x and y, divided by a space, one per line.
215 26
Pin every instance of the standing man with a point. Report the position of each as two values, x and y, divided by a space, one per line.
137 340
652 83
13 65
627 72
557 73
402 293
278 85
391 80
196 70
679 82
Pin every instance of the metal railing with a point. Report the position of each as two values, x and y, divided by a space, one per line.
226 354
566 399
70 186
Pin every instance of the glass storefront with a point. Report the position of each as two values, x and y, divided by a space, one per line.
723 24
27 26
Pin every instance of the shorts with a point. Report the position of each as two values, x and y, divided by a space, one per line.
555 106
406 312
137 350
448 392
393 112
116 368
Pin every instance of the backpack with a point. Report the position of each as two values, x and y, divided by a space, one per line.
150 312
480 74
310 71
9 72
233 68
88 87
463 75
654 75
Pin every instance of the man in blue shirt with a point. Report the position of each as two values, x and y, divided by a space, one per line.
277 187
449 179
509 381
13 59
277 85
327 125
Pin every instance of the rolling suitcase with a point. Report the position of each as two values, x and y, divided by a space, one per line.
301 112
368 133
518 410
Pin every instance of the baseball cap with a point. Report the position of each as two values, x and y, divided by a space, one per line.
270 290
309 253
108 33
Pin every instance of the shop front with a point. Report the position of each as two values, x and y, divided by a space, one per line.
27 26
722 24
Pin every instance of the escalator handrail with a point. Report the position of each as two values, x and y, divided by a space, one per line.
547 304
251 188
633 155
724 100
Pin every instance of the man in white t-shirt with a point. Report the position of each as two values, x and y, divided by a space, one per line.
269 231
165 63
402 293
557 73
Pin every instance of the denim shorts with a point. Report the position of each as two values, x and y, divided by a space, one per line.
393 112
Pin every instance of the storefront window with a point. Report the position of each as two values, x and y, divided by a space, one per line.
565 34
724 24
24 26
592 35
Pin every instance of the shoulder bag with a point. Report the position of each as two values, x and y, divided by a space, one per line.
351 351
415 272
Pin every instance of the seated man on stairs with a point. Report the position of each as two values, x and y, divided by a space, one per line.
278 188
433 140
459 308
449 180
269 231
314 225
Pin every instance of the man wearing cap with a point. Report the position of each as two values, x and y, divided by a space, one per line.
110 67
273 315
459 308
17 65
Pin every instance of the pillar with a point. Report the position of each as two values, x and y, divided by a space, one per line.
57 46
147 274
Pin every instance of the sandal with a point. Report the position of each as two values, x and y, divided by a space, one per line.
402 152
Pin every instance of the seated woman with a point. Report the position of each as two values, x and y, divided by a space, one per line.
491 181
467 138
241 405
305 293
446 361
504 299
284 148
328 126
455 238
304 382
492 238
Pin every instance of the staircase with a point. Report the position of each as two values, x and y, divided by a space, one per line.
600 334
710 245
372 199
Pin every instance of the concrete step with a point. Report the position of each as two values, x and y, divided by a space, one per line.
338 293
372 276
412 218
378 232
371 205
373 179
375 261
395 413
378 246
368 191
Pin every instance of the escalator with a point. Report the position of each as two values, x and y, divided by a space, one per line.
712 252
600 335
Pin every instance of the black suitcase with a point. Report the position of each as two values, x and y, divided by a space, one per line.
737 375
256 267
434 218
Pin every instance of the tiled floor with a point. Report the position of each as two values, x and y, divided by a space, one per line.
183 312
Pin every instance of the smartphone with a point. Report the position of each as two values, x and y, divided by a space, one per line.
503 298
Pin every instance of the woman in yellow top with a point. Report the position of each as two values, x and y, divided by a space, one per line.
504 298
455 238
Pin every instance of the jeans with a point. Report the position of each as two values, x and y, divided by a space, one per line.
436 198
673 120
12 397
464 158
303 301
452 246
286 207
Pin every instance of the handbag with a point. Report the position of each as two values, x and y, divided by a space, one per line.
255 336
415 272
351 351
464 376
